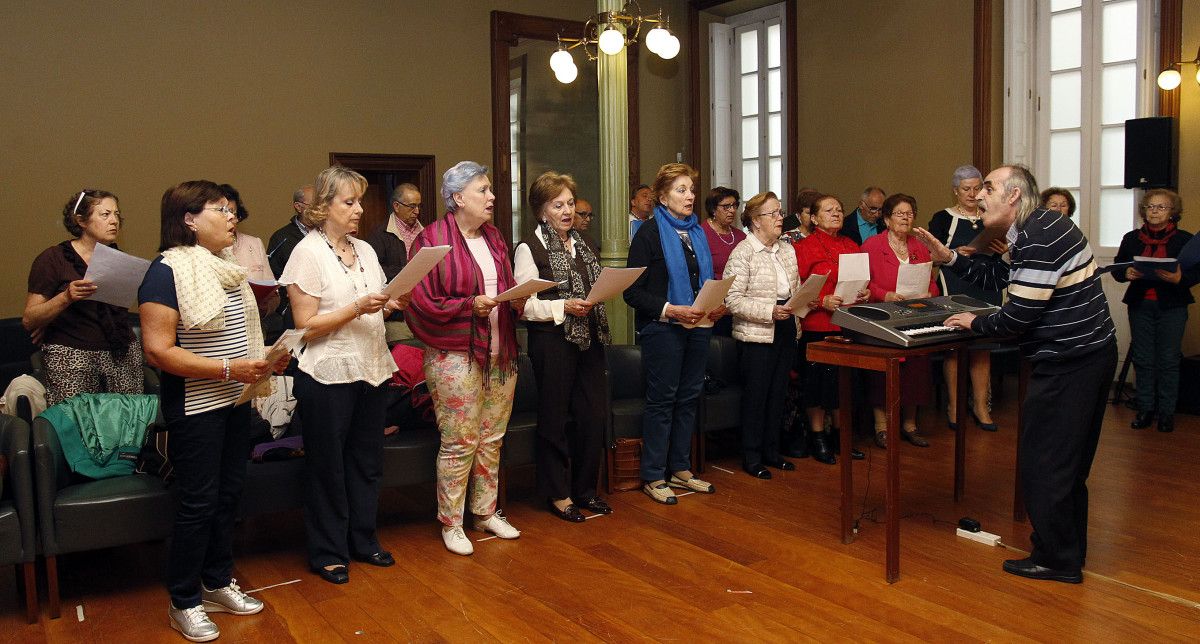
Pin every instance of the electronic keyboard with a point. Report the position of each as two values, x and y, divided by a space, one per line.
908 323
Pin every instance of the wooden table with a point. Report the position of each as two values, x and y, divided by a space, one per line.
888 360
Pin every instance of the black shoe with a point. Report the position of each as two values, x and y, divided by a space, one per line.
987 427
1026 568
757 470
820 449
1166 424
595 504
383 559
857 454
570 513
780 464
1142 420
339 575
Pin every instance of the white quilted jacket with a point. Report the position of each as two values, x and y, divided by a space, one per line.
752 296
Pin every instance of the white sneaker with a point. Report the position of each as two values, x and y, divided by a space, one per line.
497 525
229 599
456 541
193 624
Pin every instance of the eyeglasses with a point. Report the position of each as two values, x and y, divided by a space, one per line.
1157 207
222 209
583 214
774 214
909 214
410 206
727 206
874 210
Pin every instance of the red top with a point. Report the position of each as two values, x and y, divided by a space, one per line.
720 246
818 254
885 265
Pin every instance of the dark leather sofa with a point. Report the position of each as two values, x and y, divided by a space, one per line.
18 528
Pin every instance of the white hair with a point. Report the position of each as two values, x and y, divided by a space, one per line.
456 179
964 172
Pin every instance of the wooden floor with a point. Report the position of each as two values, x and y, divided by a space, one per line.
758 561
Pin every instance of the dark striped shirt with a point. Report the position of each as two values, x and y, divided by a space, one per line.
1056 305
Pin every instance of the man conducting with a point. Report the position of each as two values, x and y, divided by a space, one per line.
1059 315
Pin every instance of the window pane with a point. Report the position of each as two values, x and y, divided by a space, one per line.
514 106
1066 96
1064 158
773 46
1066 40
1119 40
514 138
748 47
750 95
1112 156
750 138
1116 215
1118 86
774 91
1059 5
749 177
775 134
775 175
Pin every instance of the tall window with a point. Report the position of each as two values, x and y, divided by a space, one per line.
1090 59
516 112
747 59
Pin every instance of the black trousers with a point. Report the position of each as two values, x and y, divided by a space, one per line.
209 453
572 386
820 380
343 447
765 371
1063 412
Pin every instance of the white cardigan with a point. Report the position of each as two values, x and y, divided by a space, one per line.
751 299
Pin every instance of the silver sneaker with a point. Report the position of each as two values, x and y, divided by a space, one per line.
498 525
229 599
193 624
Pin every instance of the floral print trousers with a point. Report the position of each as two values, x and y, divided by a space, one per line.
472 410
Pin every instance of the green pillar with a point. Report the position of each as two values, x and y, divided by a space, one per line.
612 78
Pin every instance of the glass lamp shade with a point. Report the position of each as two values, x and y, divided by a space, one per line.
1198 73
1170 79
670 47
612 42
567 74
560 59
654 39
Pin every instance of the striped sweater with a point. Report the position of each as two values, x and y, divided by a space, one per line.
1056 305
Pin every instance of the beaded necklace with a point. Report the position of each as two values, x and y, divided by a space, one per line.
346 270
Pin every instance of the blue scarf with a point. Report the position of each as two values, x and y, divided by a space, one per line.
679 284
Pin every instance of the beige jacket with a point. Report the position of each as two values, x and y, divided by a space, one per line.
752 296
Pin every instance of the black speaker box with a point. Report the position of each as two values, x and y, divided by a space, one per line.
1189 384
1150 160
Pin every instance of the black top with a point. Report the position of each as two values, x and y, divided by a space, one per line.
940 226
541 259
850 226
279 250
391 251
87 324
648 295
1169 295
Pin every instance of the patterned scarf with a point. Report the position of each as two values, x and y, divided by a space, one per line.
200 282
570 285
1155 241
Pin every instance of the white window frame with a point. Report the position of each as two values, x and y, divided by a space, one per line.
1026 106
725 109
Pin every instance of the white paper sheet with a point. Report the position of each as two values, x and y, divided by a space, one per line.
808 292
854 273
612 282
286 343
415 270
711 296
912 280
525 289
117 276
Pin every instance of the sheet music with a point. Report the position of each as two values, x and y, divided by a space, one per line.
415 270
287 342
808 292
711 296
913 280
117 276
854 273
525 289
612 282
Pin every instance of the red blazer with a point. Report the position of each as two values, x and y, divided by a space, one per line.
817 254
885 265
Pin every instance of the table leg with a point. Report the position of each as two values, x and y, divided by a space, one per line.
1018 495
960 419
846 438
892 491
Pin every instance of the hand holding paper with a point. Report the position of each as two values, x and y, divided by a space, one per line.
282 347
854 273
116 275
612 282
711 296
808 293
418 267
912 280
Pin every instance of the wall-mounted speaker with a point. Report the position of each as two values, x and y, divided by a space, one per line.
1150 159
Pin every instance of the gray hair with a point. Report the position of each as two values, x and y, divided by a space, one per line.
964 172
870 190
298 195
456 179
1020 178
400 189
